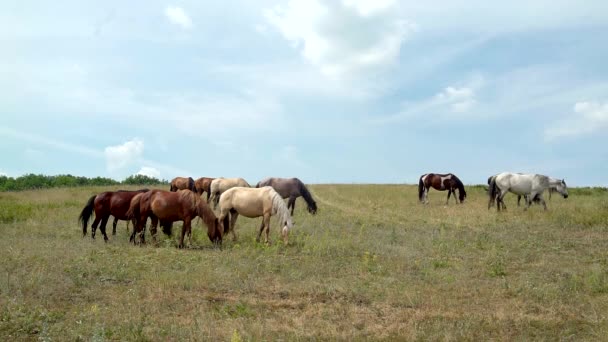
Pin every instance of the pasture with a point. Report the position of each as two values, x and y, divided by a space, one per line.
372 264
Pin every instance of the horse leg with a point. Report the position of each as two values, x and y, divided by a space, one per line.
267 229
94 226
153 225
260 232
102 227
114 226
185 228
233 216
291 203
449 193
500 199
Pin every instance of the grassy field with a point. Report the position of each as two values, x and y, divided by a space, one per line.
372 264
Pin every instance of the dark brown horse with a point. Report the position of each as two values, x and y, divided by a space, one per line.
115 203
440 182
181 183
291 188
168 207
203 184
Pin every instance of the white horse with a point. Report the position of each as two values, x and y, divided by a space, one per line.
535 200
221 184
253 202
532 185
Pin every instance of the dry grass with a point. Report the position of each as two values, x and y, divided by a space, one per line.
373 264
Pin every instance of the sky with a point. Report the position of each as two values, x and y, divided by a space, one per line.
342 91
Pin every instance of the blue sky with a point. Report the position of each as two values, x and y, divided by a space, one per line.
328 91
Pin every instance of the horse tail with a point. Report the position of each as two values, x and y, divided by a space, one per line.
492 191
86 213
191 184
280 208
420 188
312 205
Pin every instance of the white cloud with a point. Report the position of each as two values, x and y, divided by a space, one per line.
452 103
3 174
586 118
459 100
120 156
342 38
149 171
178 16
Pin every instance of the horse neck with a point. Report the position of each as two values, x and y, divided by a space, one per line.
206 213
306 195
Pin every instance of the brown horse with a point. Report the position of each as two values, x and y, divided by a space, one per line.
291 188
181 183
203 184
107 203
440 182
168 207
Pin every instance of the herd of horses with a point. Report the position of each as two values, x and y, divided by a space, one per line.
234 196
183 202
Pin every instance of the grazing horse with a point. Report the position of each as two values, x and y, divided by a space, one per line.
291 188
203 184
181 183
440 182
221 184
254 202
168 207
535 200
115 203
532 185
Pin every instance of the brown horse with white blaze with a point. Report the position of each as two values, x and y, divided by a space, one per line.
203 185
440 182
181 183
115 203
168 207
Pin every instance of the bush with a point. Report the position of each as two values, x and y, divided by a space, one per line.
32 181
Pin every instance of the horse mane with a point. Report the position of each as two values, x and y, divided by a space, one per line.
460 186
307 196
280 208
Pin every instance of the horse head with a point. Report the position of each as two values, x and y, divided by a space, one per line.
562 188
312 208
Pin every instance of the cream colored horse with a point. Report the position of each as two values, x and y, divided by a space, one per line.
219 185
253 202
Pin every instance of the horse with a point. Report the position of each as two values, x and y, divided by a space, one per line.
180 183
221 184
291 188
115 203
536 200
440 182
168 207
532 185
253 202
203 184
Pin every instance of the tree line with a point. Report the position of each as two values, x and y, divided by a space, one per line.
32 181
